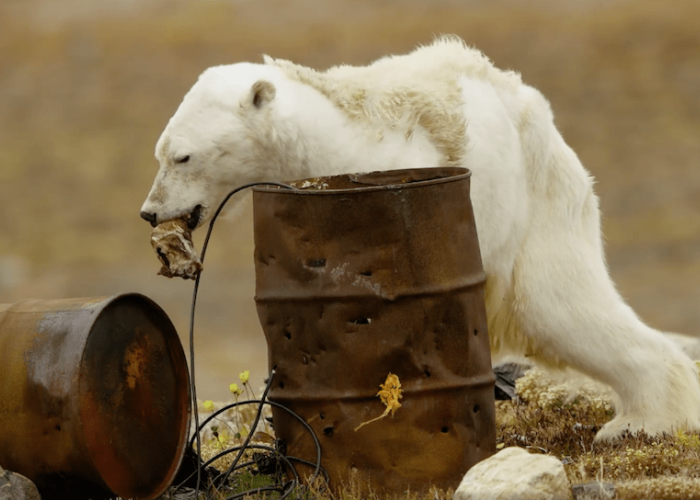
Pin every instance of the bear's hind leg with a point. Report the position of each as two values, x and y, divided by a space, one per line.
570 312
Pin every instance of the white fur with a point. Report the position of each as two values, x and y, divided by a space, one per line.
548 295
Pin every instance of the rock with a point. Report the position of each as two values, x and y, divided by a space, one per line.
14 486
515 474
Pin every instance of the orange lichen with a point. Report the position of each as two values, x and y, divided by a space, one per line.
390 394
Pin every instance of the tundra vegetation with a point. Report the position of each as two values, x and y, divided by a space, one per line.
550 416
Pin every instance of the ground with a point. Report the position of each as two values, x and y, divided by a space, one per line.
550 416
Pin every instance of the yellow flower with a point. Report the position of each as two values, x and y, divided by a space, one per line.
235 390
244 376
208 405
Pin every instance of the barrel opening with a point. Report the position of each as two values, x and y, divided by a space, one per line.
476 332
316 262
361 321
476 408
427 373
366 273
328 431
287 335
445 429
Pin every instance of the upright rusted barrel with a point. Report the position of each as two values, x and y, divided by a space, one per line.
359 276
94 395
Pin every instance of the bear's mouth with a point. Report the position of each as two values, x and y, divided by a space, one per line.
194 217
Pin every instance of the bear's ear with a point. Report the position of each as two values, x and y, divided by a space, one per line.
261 93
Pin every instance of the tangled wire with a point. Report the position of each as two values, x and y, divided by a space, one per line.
277 453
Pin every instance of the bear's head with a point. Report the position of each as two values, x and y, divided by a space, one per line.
219 138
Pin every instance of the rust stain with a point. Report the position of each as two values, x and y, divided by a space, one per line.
136 361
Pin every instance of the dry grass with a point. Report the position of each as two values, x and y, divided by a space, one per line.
551 420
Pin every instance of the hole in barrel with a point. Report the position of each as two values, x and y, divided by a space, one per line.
287 335
426 372
361 321
476 408
328 431
445 430
316 262
281 385
476 332
366 273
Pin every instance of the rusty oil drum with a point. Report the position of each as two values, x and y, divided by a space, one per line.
94 395
359 276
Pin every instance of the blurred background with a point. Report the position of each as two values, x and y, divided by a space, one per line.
87 87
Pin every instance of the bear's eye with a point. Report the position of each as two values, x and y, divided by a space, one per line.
182 159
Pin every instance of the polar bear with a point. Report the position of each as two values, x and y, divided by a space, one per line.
548 295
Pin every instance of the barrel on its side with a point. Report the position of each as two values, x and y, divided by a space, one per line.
94 395
359 276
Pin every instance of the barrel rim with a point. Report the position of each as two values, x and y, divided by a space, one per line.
185 423
456 174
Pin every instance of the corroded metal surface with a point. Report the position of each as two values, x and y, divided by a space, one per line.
93 392
358 276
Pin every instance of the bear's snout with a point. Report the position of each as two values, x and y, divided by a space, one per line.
150 217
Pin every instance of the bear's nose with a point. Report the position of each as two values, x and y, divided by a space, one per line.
152 218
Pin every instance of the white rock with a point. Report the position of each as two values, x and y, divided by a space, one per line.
515 474
14 486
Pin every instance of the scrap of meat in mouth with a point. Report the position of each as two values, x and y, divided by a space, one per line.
172 242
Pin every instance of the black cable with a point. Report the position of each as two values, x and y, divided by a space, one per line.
252 429
192 313
261 402
223 453
311 464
